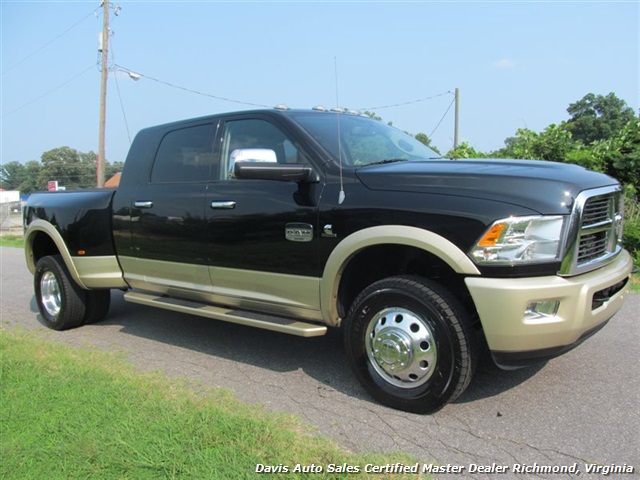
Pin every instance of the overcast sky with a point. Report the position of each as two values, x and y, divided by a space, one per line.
517 64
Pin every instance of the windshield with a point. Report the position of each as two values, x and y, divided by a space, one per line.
364 141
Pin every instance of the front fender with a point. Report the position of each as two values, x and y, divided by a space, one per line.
384 235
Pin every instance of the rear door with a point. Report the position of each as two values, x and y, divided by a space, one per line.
168 216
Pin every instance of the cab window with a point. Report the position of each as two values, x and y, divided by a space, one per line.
184 155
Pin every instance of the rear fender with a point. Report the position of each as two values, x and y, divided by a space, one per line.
88 272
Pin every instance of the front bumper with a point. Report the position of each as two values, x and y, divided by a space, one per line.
585 303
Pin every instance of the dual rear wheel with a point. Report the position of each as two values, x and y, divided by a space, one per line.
61 302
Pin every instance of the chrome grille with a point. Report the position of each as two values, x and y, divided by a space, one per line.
592 246
597 210
592 239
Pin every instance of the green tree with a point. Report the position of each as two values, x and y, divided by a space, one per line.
11 174
424 138
522 145
598 117
464 150
21 176
554 143
620 154
71 168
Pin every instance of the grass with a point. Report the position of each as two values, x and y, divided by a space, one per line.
11 241
71 413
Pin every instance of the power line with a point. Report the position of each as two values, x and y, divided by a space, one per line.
191 90
449 92
49 42
445 114
115 76
51 91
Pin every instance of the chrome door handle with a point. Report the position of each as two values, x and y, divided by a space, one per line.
225 205
143 204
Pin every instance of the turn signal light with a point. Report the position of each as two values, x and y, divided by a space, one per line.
491 238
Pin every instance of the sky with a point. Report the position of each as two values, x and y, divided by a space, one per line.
516 64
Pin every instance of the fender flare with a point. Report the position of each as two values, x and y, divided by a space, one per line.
48 229
88 272
384 235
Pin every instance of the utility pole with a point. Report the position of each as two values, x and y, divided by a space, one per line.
104 45
455 129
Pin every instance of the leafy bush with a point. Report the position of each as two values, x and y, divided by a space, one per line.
631 234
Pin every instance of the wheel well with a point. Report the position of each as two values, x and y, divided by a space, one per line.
381 261
42 245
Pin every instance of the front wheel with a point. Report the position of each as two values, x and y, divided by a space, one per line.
410 344
61 302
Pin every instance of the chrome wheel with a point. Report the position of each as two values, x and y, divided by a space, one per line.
50 294
410 343
401 347
61 302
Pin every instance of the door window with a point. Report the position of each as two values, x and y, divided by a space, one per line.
260 136
184 155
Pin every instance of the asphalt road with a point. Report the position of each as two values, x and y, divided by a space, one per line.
581 408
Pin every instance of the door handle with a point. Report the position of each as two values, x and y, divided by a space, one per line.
224 205
143 204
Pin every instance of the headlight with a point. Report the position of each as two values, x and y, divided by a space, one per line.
519 240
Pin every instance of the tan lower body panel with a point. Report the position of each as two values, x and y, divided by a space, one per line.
274 293
99 272
501 305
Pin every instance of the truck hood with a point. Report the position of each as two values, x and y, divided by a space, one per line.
546 187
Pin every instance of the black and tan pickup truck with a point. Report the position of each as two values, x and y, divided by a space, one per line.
299 221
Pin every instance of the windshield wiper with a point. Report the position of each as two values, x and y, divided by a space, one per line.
387 160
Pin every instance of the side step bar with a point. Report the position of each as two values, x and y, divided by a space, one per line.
267 322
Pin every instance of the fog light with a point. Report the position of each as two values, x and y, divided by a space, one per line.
541 310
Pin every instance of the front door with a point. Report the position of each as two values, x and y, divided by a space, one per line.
263 234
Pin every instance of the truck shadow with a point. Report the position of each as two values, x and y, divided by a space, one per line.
322 358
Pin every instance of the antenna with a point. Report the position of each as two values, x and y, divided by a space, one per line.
341 196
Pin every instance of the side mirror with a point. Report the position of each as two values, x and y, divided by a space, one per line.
262 164
265 155
280 172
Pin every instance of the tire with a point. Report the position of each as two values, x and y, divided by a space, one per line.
61 301
98 303
410 344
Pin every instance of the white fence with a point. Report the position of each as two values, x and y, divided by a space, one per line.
11 216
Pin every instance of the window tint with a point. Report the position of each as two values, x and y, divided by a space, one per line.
184 155
262 136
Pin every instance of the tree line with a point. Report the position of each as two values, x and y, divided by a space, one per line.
72 169
602 134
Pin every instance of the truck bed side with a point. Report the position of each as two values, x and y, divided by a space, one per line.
76 225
